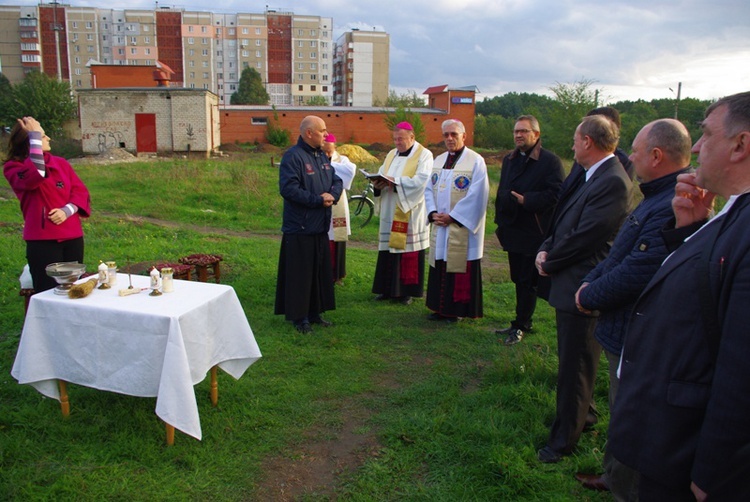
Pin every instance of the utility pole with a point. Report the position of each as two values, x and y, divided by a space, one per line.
677 103
56 28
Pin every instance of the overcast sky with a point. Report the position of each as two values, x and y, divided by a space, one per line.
631 49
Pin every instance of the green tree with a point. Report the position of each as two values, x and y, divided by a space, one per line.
494 131
317 101
409 99
6 100
401 114
571 103
250 90
46 99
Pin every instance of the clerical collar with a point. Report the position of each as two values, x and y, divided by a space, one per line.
406 153
452 158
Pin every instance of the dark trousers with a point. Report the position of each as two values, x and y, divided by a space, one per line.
524 275
578 353
39 254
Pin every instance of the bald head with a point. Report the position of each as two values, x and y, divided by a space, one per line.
660 148
312 130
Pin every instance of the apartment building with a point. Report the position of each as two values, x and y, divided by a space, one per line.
292 53
361 63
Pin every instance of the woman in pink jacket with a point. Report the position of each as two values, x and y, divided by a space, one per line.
52 197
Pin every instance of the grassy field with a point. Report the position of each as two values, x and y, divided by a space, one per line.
385 405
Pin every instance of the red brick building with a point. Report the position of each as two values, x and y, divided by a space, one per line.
245 124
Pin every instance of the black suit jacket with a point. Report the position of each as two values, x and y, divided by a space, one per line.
584 225
683 406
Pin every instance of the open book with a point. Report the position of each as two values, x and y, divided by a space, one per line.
375 176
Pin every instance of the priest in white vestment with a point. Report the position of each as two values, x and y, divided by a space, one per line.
404 232
340 228
456 201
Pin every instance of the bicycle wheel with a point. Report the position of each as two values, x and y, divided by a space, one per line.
361 210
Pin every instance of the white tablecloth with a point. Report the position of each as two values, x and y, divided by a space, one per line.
137 345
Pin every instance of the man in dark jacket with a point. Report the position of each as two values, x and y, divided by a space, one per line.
585 222
309 186
661 151
526 197
681 414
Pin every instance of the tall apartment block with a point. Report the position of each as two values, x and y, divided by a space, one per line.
292 53
360 74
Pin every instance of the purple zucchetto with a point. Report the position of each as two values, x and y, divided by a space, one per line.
330 138
405 126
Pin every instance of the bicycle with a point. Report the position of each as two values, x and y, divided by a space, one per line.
361 207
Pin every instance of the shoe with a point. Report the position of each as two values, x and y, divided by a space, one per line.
507 331
591 421
381 297
439 317
303 326
515 336
593 481
322 322
548 455
404 300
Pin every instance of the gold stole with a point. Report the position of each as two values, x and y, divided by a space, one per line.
338 215
400 225
458 236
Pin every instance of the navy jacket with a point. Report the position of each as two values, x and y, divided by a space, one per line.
636 254
304 174
682 408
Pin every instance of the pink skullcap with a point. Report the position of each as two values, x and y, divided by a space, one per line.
330 138
405 126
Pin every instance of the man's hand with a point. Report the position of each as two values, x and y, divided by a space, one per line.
57 216
691 203
442 219
518 197
327 199
700 495
381 184
578 301
541 257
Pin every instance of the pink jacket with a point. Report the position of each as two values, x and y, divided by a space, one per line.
39 195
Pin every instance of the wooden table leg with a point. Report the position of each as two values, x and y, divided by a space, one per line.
214 386
170 434
64 403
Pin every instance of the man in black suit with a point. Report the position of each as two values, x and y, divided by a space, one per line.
530 180
681 414
586 220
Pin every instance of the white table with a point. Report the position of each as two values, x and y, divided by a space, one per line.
139 345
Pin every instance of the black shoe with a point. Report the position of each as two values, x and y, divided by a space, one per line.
548 455
303 326
434 317
591 421
404 300
322 322
381 297
507 331
514 336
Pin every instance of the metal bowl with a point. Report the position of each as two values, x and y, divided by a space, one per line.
65 274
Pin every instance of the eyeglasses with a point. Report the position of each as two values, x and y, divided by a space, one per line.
522 131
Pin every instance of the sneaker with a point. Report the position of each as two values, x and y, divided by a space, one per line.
507 331
514 336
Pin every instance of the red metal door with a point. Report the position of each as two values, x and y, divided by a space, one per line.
145 132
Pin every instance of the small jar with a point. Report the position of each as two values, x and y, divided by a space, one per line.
112 272
167 280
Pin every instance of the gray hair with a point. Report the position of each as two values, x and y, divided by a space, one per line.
450 122
602 131
738 112
532 120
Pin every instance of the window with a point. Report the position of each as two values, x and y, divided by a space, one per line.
232 87
77 48
191 74
75 37
313 66
301 88
89 36
300 43
204 64
257 31
77 60
258 65
232 76
259 120
257 54
205 87
325 34
192 85
191 63
205 74
325 78
90 48
300 55
245 54
219 53
218 32
300 66
324 66
148 51
245 42
231 31
325 88
147 40
324 55
220 65
133 50
313 43
191 40
313 77
313 33
313 55
257 42
145 27
75 24
133 40
191 52
204 52
300 32
78 83
29 47
203 29
89 25
300 77
220 76
104 38
312 87
121 52
190 29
